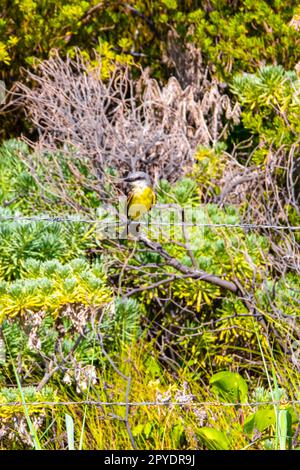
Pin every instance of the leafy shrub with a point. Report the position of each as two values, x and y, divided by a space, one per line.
41 240
241 36
230 37
270 106
10 395
50 285
225 32
24 187
30 30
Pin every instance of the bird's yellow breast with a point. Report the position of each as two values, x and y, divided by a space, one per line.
140 202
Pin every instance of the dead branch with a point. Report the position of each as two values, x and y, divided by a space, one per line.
192 273
119 123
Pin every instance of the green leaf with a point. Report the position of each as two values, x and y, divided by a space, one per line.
284 429
70 431
137 430
147 429
260 420
230 386
172 4
213 439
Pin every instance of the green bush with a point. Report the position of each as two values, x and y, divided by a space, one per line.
232 35
24 186
241 36
41 240
270 107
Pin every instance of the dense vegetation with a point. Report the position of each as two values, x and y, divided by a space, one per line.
186 337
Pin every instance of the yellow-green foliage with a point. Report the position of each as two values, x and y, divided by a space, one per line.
232 37
20 190
208 169
227 252
51 285
238 36
270 106
30 29
30 395
188 415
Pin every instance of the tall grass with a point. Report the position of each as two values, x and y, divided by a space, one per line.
164 426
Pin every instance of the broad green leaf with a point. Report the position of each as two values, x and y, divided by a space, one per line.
213 439
260 420
230 386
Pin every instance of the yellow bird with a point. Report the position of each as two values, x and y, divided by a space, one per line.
141 198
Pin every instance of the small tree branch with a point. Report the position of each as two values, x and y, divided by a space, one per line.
193 273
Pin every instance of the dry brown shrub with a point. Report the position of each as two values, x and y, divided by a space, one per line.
121 123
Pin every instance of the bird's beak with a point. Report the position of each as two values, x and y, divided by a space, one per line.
128 179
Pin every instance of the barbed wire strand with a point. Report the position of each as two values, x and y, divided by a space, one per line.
73 219
152 403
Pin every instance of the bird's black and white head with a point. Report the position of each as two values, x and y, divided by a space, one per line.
138 179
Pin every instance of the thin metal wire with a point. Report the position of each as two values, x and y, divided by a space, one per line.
151 403
170 224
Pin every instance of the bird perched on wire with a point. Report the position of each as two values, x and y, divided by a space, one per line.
140 199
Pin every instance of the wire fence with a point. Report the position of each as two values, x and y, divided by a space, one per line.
154 403
74 219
